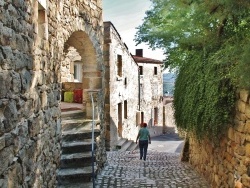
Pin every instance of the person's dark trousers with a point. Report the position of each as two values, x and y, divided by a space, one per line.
143 145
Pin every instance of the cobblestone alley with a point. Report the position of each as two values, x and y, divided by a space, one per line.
161 170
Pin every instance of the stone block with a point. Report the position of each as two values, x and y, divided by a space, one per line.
239 138
228 157
5 83
241 106
26 78
246 180
9 140
247 127
6 157
240 116
2 142
239 125
247 111
248 137
240 150
34 126
15 173
248 149
244 95
16 81
230 133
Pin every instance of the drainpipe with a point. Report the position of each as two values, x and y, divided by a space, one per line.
139 95
92 141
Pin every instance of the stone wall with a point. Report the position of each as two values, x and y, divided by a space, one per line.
231 157
67 68
33 43
169 125
121 89
151 97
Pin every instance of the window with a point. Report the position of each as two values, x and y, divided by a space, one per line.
120 128
141 70
125 109
142 117
155 116
77 72
42 20
155 70
125 81
119 65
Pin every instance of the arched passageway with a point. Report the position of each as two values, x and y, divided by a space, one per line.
80 72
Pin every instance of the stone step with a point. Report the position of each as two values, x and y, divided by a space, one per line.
76 160
76 125
126 145
77 146
133 147
77 185
121 142
81 135
73 114
75 175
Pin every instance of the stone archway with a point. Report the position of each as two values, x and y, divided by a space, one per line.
81 144
91 79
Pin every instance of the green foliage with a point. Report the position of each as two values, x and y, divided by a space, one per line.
208 42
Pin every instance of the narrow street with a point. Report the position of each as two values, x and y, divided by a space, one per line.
162 169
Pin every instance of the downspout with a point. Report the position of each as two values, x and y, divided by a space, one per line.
92 141
139 93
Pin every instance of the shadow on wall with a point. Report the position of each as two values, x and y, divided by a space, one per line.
111 135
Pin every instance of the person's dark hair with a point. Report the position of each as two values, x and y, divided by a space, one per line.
144 124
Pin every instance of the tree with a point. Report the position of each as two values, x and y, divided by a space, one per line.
208 41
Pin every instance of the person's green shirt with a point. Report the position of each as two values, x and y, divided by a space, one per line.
143 134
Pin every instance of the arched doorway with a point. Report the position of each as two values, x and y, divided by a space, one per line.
80 72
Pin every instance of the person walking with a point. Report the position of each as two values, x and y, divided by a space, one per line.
144 140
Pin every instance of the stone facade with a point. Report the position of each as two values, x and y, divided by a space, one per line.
34 42
220 164
150 93
121 102
169 125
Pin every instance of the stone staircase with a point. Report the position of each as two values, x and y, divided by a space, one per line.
76 157
126 145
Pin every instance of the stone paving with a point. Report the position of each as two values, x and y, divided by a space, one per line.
160 170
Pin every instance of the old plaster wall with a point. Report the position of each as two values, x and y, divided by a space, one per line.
151 97
33 43
220 163
119 88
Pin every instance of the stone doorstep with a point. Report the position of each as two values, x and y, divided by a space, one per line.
121 142
133 147
126 145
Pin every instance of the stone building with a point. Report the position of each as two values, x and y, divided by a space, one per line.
121 102
150 92
35 41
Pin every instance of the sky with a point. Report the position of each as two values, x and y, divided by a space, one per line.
126 15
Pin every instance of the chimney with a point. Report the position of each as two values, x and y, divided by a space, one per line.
139 52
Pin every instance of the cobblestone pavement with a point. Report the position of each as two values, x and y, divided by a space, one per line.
160 170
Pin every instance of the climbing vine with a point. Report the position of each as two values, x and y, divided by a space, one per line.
208 43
